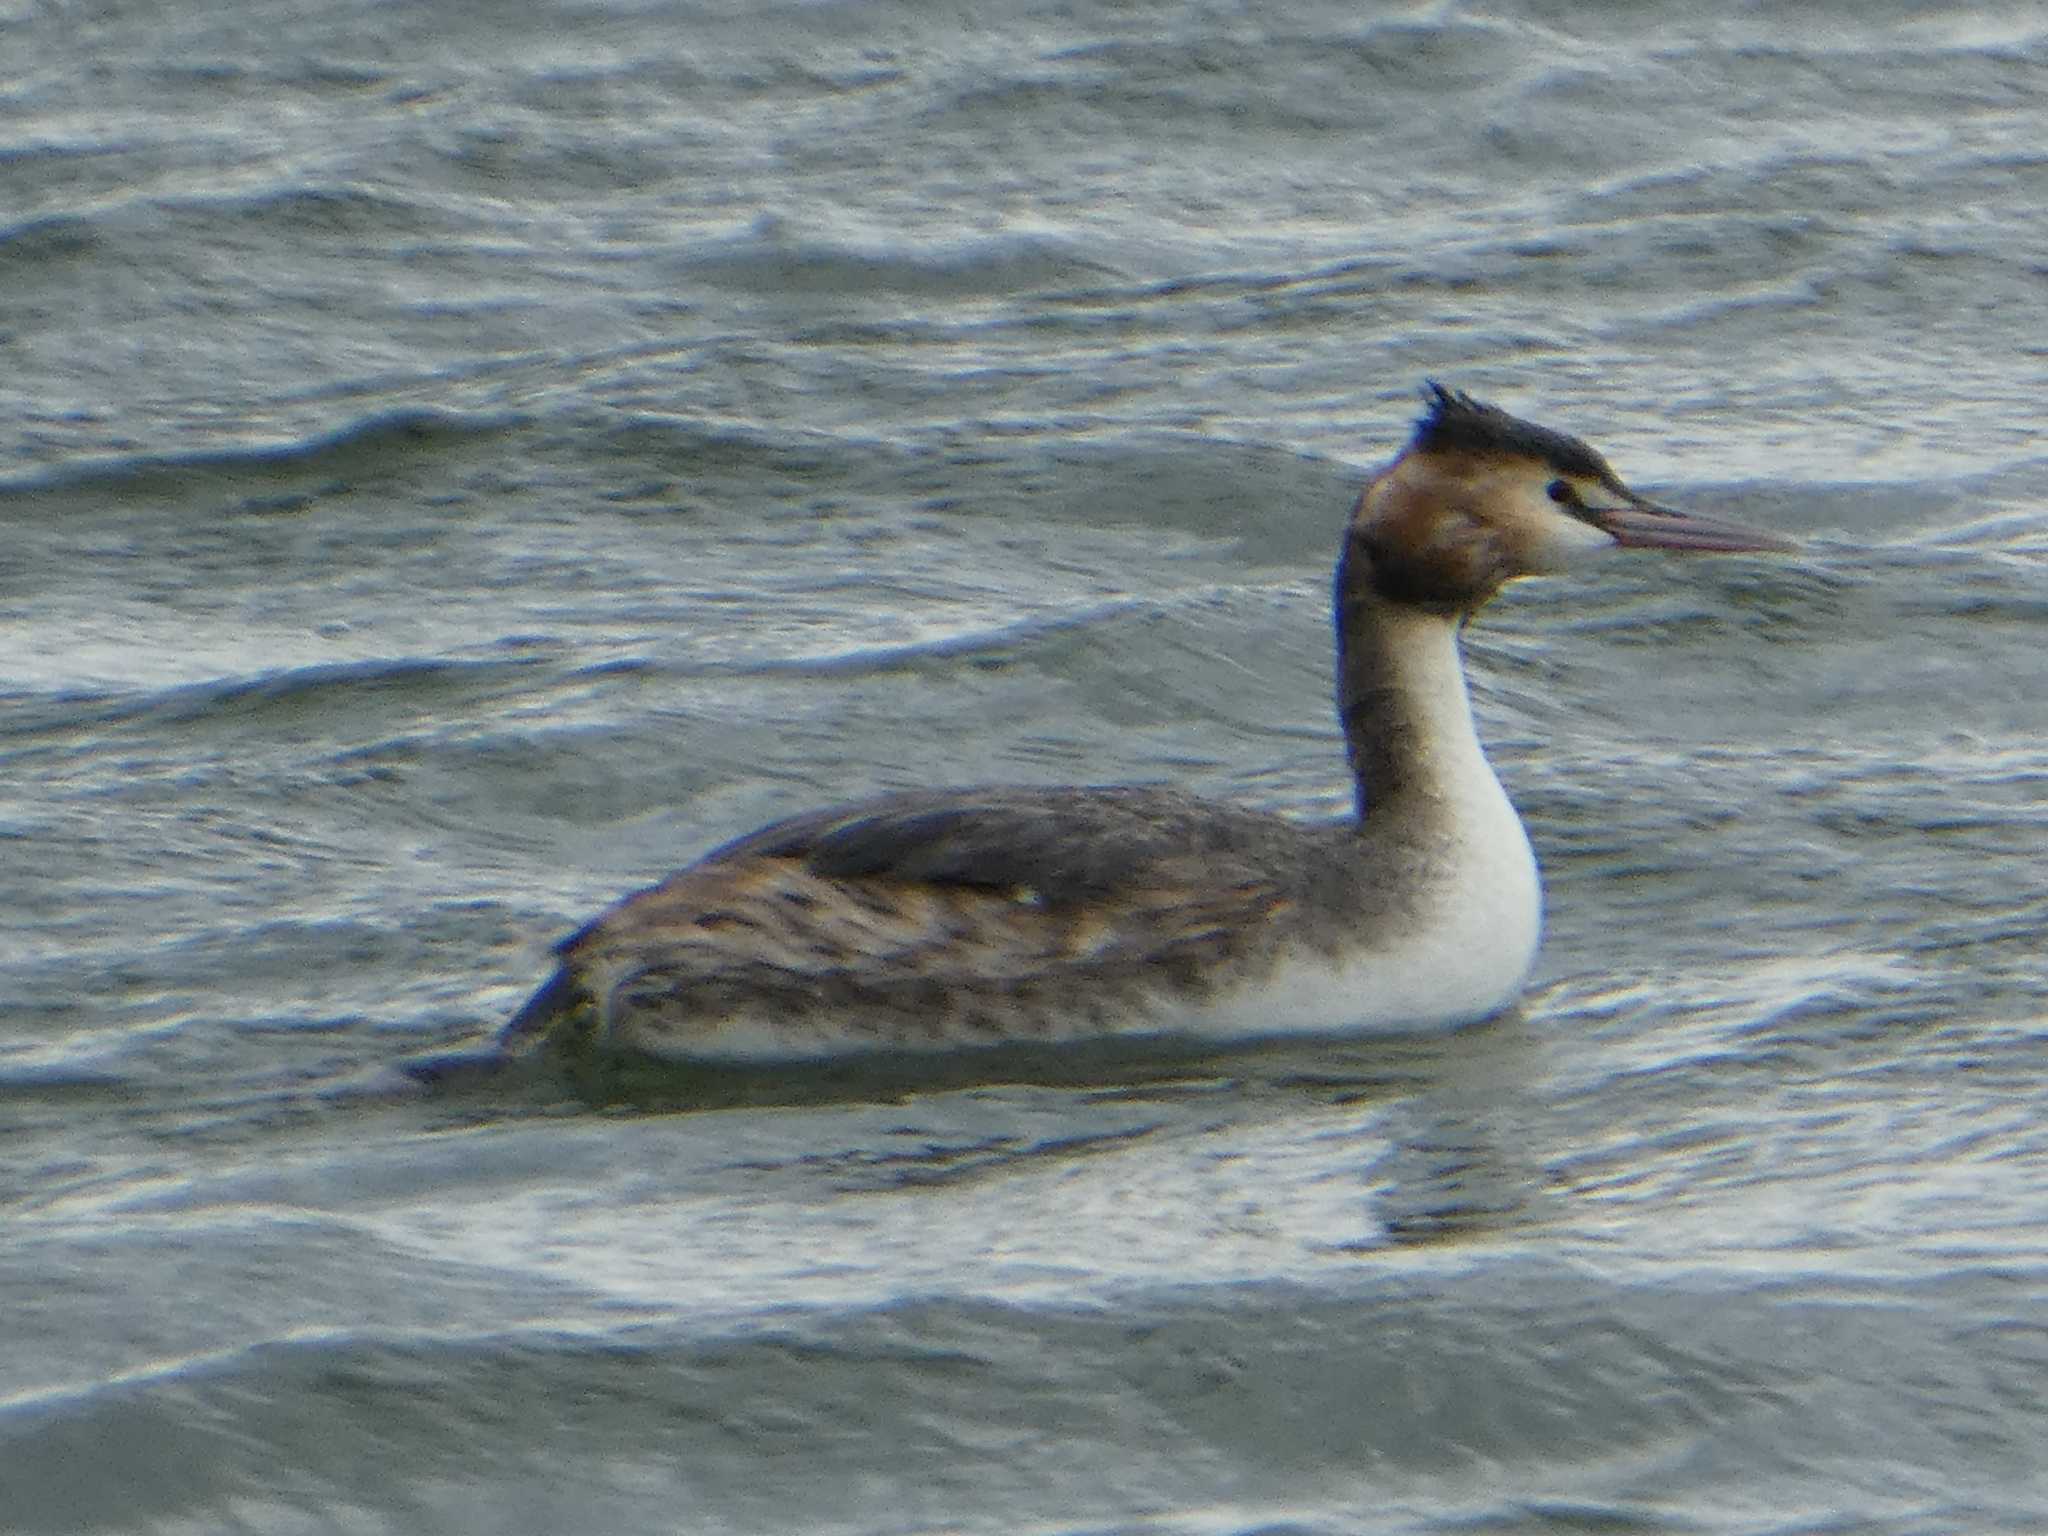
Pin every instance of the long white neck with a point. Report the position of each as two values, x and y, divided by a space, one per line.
1407 718
1401 694
1431 812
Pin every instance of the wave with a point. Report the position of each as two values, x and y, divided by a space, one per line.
1293 1408
354 445
47 239
771 257
289 692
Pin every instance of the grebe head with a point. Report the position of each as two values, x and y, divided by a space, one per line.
1479 498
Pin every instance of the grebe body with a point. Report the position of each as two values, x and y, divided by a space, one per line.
1002 915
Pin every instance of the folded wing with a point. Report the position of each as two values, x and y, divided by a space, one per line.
929 919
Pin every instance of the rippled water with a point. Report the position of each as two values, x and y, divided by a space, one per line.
458 464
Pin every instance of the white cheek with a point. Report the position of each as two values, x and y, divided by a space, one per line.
1562 542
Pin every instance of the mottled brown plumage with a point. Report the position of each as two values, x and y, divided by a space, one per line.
970 916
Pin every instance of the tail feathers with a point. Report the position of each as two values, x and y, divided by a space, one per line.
561 996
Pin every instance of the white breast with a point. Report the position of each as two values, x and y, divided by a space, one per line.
1471 899
1465 955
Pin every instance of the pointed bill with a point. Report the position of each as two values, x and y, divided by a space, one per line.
1645 525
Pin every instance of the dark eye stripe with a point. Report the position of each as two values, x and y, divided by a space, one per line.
1570 502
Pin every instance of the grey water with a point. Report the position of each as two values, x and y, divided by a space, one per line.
458 462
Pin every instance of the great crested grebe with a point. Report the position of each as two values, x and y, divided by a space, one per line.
999 915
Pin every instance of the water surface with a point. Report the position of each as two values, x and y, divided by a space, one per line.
458 465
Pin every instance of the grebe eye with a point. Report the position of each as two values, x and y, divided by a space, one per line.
1561 492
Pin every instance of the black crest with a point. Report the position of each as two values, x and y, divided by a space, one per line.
1455 422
